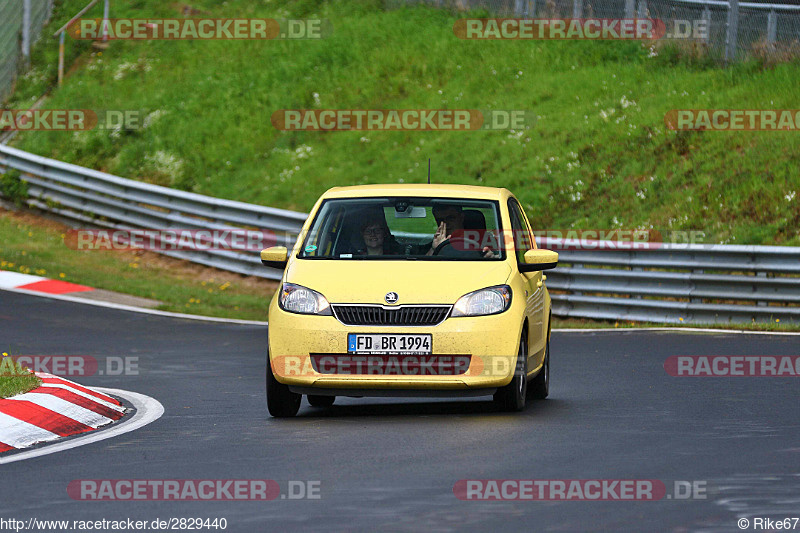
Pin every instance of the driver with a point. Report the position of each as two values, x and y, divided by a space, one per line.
450 219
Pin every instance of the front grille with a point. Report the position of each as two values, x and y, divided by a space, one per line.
404 315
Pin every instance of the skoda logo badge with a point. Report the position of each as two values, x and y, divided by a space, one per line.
391 297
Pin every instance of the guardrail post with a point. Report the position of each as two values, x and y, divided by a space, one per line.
642 14
105 21
577 265
636 269
732 30
772 26
577 9
692 286
630 8
61 58
26 32
761 303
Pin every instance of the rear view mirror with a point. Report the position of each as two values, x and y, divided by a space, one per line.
411 212
275 257
536 260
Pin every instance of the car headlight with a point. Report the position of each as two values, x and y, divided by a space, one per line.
488 301
299 299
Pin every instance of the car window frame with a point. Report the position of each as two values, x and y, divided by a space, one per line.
498 217
515 210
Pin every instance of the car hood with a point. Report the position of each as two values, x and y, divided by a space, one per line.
368 281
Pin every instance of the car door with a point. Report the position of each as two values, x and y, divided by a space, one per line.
534 288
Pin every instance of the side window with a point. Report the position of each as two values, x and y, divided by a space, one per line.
522 237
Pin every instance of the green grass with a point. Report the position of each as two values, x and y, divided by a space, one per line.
598 156
572 323
31 247
15 379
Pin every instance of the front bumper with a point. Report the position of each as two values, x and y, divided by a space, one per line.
488 343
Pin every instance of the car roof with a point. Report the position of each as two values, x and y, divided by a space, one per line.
419 189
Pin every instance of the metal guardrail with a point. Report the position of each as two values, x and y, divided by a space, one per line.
671 283
674 283
96 199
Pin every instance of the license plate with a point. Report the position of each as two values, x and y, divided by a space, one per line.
370 343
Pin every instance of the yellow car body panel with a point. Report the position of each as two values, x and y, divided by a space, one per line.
491 341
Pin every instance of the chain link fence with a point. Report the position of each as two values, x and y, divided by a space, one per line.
21 26
734 29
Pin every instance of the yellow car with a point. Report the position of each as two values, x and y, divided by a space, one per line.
410 290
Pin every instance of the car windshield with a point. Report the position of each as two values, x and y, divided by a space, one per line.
405 228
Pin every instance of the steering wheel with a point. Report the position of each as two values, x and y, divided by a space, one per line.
469 245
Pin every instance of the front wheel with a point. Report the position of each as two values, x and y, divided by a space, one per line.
281 402
539 387
512 396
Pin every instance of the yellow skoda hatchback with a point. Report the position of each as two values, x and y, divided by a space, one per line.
410 290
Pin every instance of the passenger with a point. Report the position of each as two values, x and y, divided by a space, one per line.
378 240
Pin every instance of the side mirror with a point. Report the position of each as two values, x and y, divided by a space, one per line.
275 257
536 260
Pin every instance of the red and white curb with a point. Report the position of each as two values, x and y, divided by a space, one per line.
15 280
57 408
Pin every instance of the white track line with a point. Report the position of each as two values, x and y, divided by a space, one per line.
137 309
64 408
680 329
20 434
147 410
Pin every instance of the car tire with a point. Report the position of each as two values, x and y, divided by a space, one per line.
512 396
539 387
317 400
281 402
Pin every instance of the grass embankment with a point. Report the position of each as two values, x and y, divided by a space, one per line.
34 246
14 378
598 156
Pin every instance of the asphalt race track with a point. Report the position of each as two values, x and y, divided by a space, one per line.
613 413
